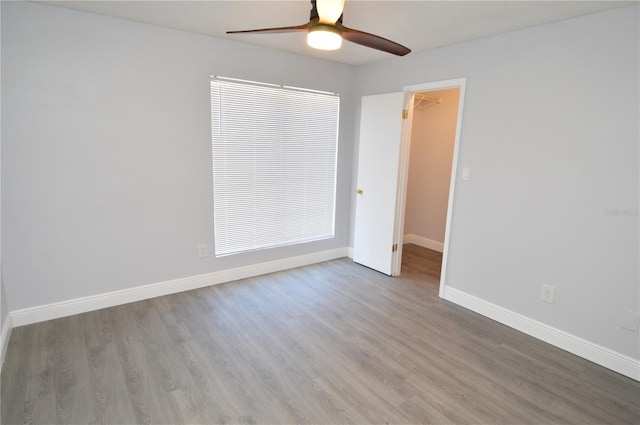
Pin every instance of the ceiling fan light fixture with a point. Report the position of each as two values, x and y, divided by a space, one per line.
325 30
324 37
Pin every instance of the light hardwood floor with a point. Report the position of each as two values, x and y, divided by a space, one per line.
329 343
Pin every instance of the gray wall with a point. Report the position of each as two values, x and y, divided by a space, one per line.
550 131
106 150
4 311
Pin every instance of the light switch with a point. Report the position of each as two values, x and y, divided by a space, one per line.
466 173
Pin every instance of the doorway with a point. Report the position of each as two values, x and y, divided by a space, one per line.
431 91
383 171
432 141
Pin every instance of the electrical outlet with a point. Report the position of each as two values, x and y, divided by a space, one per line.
548 293
630 320
203 251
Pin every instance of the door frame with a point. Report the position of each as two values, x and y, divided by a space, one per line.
403 172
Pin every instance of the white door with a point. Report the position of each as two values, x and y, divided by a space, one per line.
381 126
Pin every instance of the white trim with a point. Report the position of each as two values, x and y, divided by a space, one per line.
462 83
423 242
41 313
436 85
7 327
350 252
603 356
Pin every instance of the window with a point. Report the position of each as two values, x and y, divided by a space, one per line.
274 154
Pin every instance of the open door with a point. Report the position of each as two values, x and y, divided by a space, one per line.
382 177
381 126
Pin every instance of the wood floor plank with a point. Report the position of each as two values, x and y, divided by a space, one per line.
311 361
297 373
260 359
111 404
108 387
206 395
25 395
149 398
231 379
71 387
329 343
318 327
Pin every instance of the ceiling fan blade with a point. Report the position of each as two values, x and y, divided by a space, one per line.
329 11
296 28
372 40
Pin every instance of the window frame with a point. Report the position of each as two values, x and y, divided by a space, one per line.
307 133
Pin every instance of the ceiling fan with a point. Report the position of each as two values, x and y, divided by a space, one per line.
325 30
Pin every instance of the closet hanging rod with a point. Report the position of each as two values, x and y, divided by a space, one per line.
429 98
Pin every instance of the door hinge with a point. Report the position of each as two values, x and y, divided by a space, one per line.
394 248
405 114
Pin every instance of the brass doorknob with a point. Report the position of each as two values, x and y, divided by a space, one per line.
359 191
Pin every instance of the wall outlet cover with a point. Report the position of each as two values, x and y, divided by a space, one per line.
548 293
630 320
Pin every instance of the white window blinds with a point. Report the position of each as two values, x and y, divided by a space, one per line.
274 165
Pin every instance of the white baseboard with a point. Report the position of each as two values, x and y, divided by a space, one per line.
610 359
41 313
423 242
7 327
350 252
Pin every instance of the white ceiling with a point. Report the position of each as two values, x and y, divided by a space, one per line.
419 25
